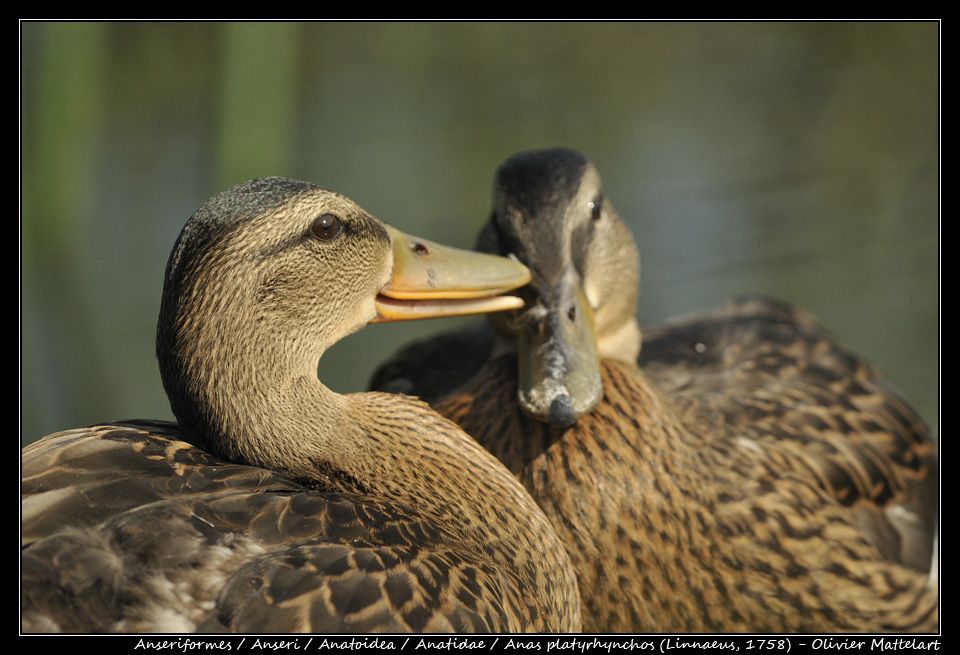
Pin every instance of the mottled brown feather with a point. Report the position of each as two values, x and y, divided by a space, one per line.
677 528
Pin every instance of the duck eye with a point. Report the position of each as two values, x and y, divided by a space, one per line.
326 227
596 206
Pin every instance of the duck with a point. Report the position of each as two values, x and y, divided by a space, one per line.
274 504
734 470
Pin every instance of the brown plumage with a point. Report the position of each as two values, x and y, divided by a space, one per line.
746 473
277 505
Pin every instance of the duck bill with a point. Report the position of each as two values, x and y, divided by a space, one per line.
431 280
558 361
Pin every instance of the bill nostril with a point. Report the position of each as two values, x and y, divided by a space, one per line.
420 249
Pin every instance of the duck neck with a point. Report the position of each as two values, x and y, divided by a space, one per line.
450 478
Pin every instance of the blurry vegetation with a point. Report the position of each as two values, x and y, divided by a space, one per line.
799 160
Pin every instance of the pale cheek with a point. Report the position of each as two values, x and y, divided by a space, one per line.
593 293
357 316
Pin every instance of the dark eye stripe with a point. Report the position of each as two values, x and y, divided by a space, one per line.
326 227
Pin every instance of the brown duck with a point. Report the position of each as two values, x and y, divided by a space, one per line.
276 505
746 472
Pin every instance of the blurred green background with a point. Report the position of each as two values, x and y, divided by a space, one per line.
799 160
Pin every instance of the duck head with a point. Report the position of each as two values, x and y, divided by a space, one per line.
549 212
269 274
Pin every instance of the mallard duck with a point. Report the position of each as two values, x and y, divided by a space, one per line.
743 471
275 504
